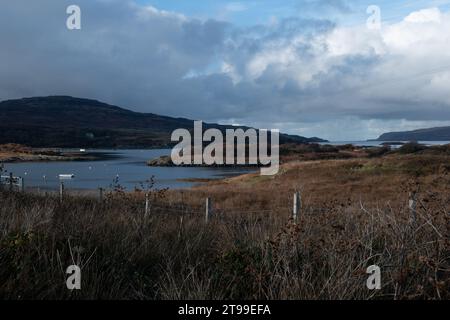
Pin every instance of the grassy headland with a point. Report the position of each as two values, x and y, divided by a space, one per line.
18 153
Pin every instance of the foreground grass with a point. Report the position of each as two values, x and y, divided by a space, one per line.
354 215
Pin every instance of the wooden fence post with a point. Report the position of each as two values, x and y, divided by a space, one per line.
147 203
297 206
61 191
208 209
100 194
22 184
413 206
11 181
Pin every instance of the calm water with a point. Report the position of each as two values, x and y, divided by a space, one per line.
128 165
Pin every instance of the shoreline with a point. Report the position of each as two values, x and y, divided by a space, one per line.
43 155
290 154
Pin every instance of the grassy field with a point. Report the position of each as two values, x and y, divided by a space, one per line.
354 214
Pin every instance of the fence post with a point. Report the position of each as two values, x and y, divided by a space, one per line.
11 181
297 206
100 194
22 184
147 203
413 206
208 209
61 191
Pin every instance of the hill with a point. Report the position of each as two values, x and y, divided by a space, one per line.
430 134
63 121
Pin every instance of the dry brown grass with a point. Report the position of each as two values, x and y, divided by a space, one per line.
354 215
330 183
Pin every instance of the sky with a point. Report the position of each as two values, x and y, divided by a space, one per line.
307 67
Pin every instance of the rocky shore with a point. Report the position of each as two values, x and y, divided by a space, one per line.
163 161
19 153
166 161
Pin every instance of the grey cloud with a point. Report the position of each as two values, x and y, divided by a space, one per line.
123 54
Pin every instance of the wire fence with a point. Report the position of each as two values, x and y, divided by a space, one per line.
209 210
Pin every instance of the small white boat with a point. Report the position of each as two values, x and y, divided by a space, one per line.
66 176
82 150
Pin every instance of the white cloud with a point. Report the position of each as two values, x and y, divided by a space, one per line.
425 15
396 73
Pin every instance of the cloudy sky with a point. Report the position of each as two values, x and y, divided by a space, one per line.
309 67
